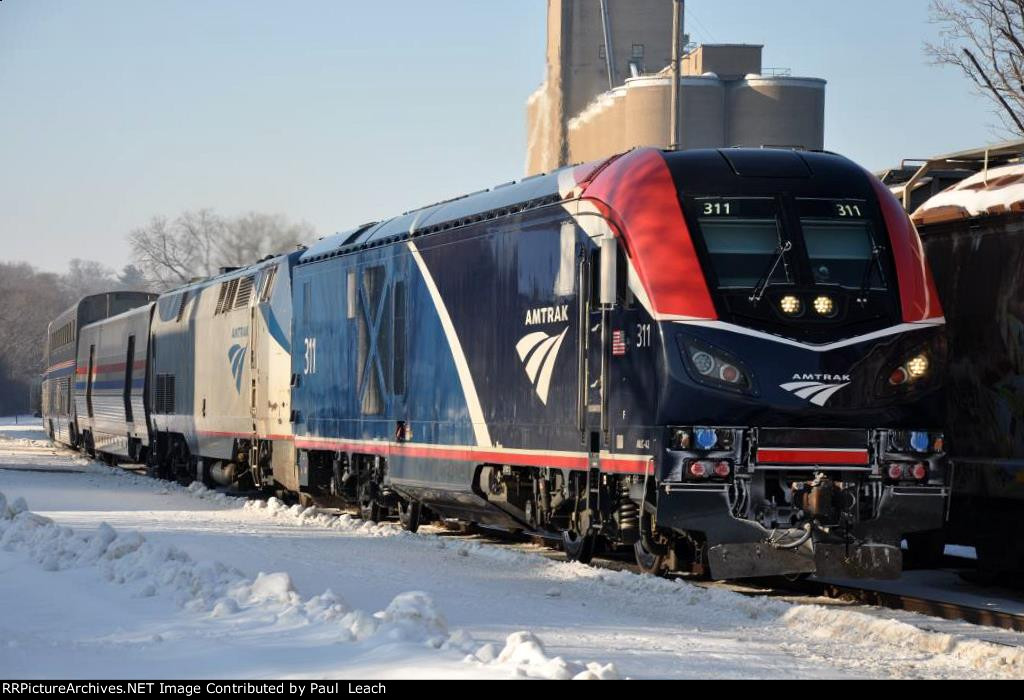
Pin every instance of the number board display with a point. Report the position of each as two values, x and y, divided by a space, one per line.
832 209
734 207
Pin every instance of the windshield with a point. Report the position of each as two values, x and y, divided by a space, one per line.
743 241
840 245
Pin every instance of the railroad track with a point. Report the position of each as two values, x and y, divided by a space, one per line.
911 603
802 590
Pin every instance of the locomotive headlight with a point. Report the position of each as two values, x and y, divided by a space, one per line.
711 366
825 306
791 305
704 362
918 367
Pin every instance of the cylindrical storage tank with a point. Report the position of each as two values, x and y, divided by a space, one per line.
586 136
702 114
615 122
769 111
578 136
574 131
648 100
599 147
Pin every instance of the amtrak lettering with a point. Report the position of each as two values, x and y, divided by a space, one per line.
547 315
822 378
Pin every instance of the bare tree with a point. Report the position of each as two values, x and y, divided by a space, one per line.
253 236
29 299
985 39
197 244
172 253
132 279
85 277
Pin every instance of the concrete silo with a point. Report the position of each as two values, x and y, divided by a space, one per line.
647 111
702 113
776 111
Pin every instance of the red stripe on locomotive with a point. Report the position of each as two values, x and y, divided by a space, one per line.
918 295
637 193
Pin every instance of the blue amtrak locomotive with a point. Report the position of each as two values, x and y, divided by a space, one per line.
726 360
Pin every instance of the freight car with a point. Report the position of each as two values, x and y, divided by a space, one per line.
973 233
728 361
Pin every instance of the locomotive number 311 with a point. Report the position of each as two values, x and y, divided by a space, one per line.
310 367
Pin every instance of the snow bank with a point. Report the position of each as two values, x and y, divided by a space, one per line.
524 652
315 517
217 594
225 596
832 624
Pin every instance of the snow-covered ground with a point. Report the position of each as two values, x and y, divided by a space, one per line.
107 574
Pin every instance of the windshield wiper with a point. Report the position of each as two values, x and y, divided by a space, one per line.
762 285
865 287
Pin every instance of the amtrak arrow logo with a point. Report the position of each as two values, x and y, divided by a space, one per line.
539 352
817 393
236 356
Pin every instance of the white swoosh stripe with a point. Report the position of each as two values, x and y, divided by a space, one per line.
544 385
812 390
822 398
524 346
542 351
799 385
885 332
476 412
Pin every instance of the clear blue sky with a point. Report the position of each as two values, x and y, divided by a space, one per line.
339 112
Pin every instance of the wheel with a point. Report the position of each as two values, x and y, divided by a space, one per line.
409 515
651 554
371 511
184 471
925 550
578 547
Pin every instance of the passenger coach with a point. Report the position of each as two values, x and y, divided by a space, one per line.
61 391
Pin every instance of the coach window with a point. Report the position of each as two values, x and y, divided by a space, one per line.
129 372
89 378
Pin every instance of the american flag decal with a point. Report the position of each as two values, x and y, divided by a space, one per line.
619 343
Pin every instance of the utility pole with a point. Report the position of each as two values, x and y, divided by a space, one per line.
609 50
678 19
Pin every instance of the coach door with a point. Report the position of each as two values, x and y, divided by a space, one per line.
260 400
593 363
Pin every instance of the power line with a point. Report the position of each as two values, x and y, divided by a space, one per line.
696 20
